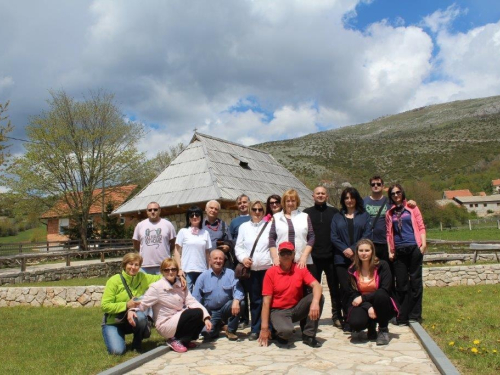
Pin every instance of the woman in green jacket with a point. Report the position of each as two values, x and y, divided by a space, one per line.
116 301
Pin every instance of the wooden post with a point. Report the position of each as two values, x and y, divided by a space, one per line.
102 256
23 264
68 261
498 224
441 225
470 225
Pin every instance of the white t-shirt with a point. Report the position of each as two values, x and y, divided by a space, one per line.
194 247
154 239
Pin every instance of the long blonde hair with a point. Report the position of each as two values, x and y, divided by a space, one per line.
374 261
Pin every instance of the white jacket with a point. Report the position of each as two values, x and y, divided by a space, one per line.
247 234
300 226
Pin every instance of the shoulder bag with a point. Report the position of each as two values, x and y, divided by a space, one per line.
241 272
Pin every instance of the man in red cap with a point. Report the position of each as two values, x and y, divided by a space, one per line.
284 302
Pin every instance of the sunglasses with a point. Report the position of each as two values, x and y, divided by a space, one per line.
396 193
285 253
194 214
152 209
257 209
170 269
373 184
275 203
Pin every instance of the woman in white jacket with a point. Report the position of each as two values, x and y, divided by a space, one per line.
292 225
254 233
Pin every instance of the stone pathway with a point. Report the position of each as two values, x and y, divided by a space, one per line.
338 355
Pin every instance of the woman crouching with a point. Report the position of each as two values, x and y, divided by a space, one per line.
370 294
178 316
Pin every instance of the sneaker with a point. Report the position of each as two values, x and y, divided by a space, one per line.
191 345
346 328
176 345
231 336
337 323
356 335
243 325
253 336
383 338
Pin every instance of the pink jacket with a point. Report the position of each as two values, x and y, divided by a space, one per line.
168 303
416 220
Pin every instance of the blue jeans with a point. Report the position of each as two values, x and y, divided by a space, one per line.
256 282
222 316
191 278
114 334
151 270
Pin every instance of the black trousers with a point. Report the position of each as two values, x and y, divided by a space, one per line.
409 284
382 304
283 319
343 277
328 267
382 252
190 325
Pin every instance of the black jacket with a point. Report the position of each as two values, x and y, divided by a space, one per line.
321 219
384 282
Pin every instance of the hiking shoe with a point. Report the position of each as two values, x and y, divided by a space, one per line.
311 341
243 325
231 336
176 345
383 338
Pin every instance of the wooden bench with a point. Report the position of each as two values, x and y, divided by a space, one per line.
485 247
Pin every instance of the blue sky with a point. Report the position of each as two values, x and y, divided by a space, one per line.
476 12
248 71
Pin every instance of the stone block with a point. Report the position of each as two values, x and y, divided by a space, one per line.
58 301
84 299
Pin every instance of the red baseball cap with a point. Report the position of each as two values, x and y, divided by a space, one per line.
286 246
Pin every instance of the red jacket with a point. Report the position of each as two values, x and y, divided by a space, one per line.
416 220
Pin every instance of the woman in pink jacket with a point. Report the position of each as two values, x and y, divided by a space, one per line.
178 316
407 243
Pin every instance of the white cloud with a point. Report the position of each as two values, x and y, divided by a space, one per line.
181 67
441 19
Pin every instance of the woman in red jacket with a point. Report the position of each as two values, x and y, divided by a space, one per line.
369 294
407 243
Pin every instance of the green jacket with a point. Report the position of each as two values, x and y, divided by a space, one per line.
115 297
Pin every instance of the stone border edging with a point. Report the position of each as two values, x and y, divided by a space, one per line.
136 362
440 359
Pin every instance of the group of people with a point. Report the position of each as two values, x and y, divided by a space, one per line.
370 250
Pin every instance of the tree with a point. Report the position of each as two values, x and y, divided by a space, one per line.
4 129
111 227
76 147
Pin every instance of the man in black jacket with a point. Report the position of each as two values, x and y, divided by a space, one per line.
322 253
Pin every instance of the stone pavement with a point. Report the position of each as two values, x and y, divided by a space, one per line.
338 355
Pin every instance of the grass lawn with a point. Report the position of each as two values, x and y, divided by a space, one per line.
40 234
484 234
57 341
464 322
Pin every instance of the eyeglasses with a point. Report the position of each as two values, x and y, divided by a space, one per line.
257 209
194 214
285 253
396 193
152 209
170 269
274 203
373 184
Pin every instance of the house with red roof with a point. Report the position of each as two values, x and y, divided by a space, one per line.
58 216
